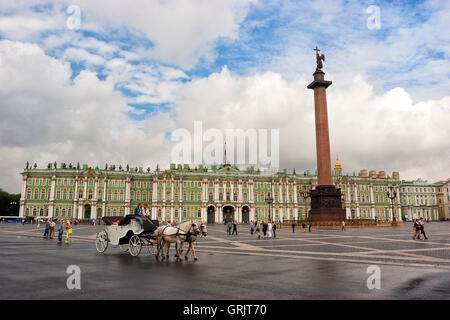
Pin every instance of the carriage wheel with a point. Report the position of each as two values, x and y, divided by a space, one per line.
135 245
101 241
124 247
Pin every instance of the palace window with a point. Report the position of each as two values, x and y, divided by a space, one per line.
42 194
58 194
80 193
210 196
99 194
220 196
210 184
245 196
109 195
64 194
199 213
228 196
122 195
245 184
69 212
57 211
176 196
221 184
228 184
235 197
184 196
28 194
192 196
90 194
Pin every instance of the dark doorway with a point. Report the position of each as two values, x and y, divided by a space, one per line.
211 214
245 214
228 214
87 211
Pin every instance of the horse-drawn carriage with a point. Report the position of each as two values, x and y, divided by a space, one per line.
128 234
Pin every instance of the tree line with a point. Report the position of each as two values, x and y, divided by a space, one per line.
9 203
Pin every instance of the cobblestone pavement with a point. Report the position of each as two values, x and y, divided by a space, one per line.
322 264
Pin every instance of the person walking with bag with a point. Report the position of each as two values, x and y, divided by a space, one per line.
275 230
422 228
258 229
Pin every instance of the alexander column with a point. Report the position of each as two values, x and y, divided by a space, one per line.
325 198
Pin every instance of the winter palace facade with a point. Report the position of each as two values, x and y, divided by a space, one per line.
214 195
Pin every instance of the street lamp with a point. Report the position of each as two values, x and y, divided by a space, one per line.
306 195
392 194
269 202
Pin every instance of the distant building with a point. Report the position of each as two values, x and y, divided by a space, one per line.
418 200
443 199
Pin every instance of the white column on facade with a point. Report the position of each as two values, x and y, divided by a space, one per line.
219 212
128 196
154 199
372 202
171 213
205 190
240 190
164 190
216 191
204 215
23 196
51 206
238 214
252 213
251 195
85 188
349 201
95 188
172 194
163 213
80 211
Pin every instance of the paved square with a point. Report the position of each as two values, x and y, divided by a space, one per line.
322 264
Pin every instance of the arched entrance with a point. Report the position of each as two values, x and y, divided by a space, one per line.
228 214
211 214
87 211
245 214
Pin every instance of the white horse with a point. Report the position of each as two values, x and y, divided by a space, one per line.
190 239
179 234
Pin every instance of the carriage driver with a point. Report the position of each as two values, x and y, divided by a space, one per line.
138 214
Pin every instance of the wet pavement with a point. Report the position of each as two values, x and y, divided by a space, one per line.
322 264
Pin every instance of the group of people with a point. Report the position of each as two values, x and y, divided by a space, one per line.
50 227
419 229
268 229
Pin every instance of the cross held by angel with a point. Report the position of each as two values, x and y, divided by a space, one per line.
319 58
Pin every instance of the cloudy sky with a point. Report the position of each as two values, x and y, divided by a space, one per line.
113 88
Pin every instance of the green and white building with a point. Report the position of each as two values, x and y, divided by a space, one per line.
418 199
211 194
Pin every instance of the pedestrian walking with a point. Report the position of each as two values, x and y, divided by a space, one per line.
60 231
68 231
52 228
274 230
416 228
343 225
264 229
422 228
235 227
269 229
309 227
293 226
47 229
304 227
251 227
229 225
38 223
258 229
